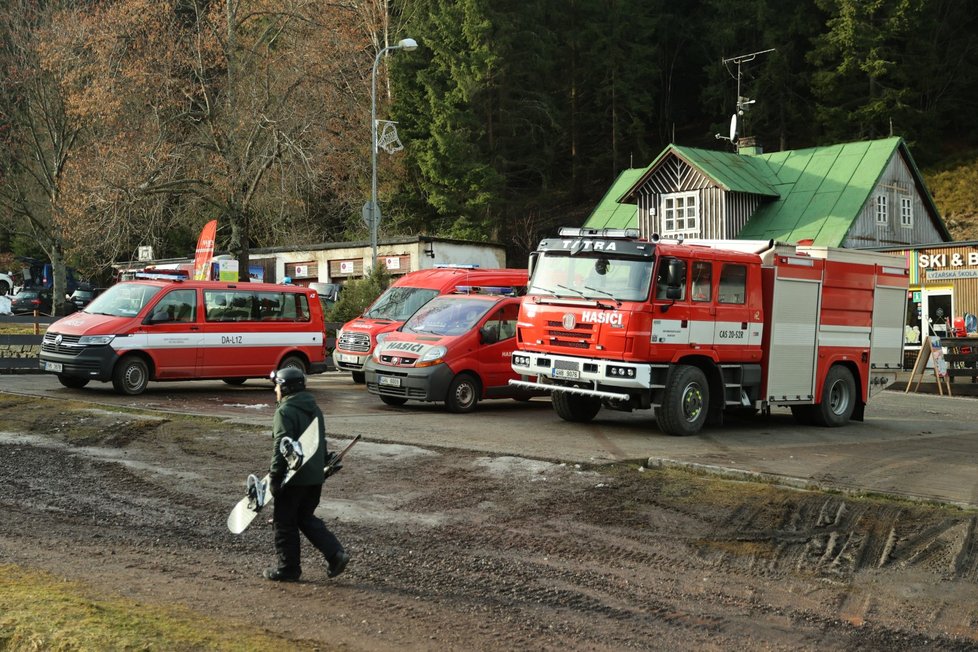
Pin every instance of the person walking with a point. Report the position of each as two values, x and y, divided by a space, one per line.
295 503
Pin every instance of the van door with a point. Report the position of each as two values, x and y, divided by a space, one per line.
495 359
174 335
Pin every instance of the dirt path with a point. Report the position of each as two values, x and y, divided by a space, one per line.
460 550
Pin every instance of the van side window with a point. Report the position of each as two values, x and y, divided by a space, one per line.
733 284
503 321
246 305
175 306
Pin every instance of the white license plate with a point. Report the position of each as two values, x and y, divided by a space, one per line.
389 381
343 357
53 366
565 373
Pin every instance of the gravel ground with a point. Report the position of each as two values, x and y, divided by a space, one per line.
469 551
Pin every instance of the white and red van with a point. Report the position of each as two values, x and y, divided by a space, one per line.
456 349
161 330
355 340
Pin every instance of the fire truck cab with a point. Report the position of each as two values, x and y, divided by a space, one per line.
694 328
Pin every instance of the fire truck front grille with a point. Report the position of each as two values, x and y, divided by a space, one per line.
359 342
572 345
580 327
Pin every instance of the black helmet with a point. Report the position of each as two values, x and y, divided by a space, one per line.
290 379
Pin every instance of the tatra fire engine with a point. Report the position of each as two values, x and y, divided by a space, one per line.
693 328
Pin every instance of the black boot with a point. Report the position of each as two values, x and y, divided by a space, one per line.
338 564
279 575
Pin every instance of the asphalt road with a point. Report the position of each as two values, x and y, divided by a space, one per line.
918 446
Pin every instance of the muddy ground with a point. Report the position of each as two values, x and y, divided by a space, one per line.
463 551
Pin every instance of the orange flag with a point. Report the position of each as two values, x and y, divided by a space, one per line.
205 249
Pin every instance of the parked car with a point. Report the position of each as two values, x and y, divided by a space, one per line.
27 301
84 295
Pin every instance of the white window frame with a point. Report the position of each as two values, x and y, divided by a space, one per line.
882 215
906 212
686 203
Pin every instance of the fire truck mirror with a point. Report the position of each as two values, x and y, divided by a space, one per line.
676 275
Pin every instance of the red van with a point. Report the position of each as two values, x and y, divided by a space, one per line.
143 330
355 340
456 349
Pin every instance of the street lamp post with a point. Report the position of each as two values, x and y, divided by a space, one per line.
407 44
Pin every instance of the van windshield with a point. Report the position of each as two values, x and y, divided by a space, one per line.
399 303
123 300
448 315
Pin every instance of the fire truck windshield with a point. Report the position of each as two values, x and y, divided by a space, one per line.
399 303
592 276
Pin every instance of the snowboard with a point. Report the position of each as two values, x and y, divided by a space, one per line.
296 453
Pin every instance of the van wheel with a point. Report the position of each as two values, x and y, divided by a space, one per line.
838 398
396 401
578 409
685 402
463 393
74 382
234 381
359 377
293 361
130 376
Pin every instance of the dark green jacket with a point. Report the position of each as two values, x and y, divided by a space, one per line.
292 416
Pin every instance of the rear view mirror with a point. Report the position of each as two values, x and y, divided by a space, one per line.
489 334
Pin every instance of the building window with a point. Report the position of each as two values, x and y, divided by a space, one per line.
906 212
680 214
882 218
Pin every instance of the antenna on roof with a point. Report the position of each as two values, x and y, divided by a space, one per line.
742 102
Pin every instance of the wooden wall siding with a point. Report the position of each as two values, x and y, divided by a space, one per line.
740 207
675 175
896 182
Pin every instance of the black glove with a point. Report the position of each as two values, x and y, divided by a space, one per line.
275 486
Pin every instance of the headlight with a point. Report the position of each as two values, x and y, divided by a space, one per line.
95 340
520 360
431 357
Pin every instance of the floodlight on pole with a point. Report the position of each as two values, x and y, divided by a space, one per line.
371 212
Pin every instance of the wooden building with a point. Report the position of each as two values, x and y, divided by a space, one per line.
861 195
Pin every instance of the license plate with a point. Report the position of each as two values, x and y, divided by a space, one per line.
389 381
343 357
53 366
565 373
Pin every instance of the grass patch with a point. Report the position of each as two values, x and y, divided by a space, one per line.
40 612
20 329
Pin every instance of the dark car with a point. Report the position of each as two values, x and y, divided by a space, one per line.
83 296
27 301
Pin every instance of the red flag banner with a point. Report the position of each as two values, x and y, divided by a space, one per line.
205 249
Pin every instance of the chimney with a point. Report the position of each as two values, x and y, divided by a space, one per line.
747 146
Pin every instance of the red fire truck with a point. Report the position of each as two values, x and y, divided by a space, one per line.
694 328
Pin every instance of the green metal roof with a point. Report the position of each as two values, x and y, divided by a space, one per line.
609 213
822 191
814 194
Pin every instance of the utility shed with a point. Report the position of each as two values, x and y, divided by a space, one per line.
856 195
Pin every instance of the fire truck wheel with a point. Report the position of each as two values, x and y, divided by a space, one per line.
463 393
74 382
838 398
575 408
131 375
685 402
396 401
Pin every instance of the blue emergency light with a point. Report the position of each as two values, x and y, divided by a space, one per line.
484 289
